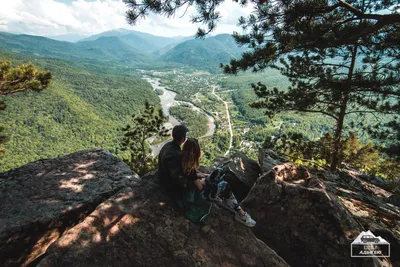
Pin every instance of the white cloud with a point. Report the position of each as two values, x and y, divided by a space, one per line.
48 17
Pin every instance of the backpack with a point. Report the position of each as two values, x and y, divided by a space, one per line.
215 184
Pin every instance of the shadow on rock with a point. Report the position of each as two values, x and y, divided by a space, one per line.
41 200
139 226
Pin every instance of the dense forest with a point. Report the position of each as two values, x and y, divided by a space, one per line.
81 109
312 126
195 121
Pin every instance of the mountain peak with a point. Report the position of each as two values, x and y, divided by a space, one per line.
121 30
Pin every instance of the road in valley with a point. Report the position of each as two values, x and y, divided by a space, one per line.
229 121
167 100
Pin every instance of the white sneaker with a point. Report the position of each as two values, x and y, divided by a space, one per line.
231 204
245 219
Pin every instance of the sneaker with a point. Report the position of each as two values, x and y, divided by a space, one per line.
231 204
245 219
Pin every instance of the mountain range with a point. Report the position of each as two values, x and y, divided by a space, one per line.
94 87
129 47
143 41
204 54
71 37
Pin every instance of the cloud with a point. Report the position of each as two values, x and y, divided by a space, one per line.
49 17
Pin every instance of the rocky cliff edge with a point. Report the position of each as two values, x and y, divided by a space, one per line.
89 209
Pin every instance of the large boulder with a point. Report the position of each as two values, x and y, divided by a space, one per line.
310 218
139 226
242 173
90 209
41 200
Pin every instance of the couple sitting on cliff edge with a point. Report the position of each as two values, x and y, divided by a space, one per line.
177 171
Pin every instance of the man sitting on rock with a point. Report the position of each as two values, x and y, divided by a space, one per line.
170 171
181 184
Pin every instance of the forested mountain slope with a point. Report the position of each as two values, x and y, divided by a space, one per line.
205 54
113 47
104 49
81 109
144 42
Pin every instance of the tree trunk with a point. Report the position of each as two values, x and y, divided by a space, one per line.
338 133
342 113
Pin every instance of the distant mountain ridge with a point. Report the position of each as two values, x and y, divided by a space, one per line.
205 54
103 49
143 41
113 46
72 38
129 47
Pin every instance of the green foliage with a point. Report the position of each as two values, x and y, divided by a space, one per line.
205 54
364 157
147 124
22 78
389 168
195 121
206 11
318 153
341 57
19 79
188 83
243 94
330 74
139 40
3 139
159 91
82 109
110 50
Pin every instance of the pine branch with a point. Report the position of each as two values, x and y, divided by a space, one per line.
388 18
4 93
314 111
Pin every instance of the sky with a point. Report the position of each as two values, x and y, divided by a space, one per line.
88 17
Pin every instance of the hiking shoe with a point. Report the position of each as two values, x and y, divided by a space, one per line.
245 219
231 204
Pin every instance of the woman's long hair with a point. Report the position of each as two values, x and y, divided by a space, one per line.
190 156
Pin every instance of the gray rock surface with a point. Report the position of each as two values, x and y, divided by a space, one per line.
139 227
40 200
243 173
311 217
89 209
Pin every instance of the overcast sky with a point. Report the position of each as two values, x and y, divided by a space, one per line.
58 17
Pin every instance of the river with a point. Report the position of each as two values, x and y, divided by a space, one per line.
167 100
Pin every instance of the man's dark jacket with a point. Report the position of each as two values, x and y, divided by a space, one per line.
170 171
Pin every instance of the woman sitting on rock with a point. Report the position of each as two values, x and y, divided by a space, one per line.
193 197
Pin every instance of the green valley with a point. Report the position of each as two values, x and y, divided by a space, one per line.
98 83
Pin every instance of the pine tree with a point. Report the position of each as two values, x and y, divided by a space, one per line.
324 147
350 148
342 57
365 156
19 79
142 127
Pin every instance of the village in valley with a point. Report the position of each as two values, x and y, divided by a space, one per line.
203 90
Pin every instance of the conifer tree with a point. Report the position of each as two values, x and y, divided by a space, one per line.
143 126
19 79
342 57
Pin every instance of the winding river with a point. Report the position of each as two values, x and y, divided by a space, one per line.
167 100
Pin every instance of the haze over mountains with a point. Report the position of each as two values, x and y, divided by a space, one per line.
70 37
124 46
